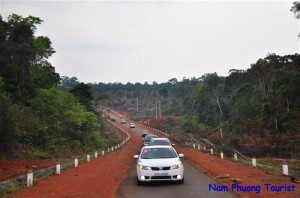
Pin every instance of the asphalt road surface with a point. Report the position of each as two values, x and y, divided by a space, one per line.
195 185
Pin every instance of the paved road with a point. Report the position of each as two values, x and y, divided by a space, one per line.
195 185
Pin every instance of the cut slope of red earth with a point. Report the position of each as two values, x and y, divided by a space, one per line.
98 178
12 168
156 122
249 176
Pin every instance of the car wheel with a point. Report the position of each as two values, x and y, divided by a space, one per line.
181 181
138 182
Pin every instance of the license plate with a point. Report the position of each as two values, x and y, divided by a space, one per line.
160 174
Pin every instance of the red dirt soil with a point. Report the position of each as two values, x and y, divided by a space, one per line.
156 122
12 168
98 178
215 166
250 176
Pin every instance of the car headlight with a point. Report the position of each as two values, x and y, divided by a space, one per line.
143 167
179 165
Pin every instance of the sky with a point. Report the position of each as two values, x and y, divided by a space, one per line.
155 41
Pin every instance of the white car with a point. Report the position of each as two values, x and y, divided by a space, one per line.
159 163
123 121
132 125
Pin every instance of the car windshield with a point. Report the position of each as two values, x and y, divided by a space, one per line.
159 142
157 153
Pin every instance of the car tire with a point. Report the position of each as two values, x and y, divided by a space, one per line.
181 181
138 182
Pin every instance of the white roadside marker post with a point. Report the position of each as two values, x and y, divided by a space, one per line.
198 147
204 148
211 151
76 162
254 161
285 169
235 157
102 152
57 169
88 157
186 144
194 145
221 155
96 154
29 179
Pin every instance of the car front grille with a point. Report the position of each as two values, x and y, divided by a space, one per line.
160 168
161 177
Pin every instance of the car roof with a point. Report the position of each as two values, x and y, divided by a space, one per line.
151 135
158 146
167 139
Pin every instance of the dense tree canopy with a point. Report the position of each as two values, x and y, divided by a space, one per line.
36 118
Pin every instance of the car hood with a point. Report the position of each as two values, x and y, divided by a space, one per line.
159 162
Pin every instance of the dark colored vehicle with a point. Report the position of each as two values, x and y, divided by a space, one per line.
148 138
160 141
144 133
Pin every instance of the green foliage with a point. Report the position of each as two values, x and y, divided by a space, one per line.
7 125
82 92
23 58
36 118
66 83
188 125
296 9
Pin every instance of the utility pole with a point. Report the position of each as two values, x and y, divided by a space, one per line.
156 109
159 109
137 104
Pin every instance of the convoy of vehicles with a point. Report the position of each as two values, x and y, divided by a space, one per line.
158 160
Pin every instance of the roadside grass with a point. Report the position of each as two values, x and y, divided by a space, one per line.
8 190
264 164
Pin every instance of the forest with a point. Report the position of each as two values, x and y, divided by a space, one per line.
266 96
37 118
261 101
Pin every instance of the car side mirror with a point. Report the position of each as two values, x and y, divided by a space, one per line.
180 155
145 144
136 156
173 144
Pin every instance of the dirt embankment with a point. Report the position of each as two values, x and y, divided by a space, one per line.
249 176
98 178
158 122
13 168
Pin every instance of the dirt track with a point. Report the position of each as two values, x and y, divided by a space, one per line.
101 177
